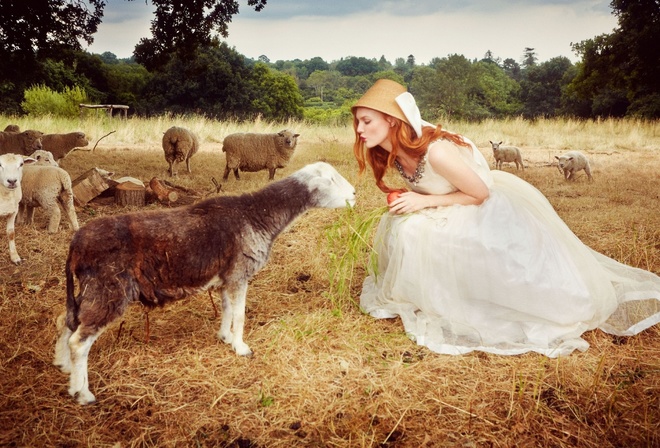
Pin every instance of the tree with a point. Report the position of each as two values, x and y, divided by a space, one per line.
275 95
183 27
31 32
356 66
542 86
529 58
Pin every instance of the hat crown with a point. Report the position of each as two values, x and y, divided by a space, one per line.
381 97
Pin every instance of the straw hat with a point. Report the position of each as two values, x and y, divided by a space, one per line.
381 97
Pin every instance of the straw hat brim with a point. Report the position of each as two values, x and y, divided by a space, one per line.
381 97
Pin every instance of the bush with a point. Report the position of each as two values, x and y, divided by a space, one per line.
41 100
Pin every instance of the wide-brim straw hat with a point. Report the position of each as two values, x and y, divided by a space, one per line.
381 97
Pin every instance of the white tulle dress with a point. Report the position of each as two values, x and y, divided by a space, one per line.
507 276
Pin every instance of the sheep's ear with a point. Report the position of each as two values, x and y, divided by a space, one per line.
296 135
29 160
499 143
556 157
491 142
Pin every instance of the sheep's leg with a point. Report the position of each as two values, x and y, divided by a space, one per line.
271 173
226 174
236 175
234 316
169 170
80 343
67 203
29 214
54 217
587 170
11 235
188 164
62 351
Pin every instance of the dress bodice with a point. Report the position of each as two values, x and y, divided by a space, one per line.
434 183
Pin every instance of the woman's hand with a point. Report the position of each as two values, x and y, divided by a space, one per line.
409 202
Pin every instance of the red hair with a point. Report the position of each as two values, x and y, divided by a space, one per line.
404 139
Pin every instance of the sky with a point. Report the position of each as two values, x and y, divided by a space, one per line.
425 29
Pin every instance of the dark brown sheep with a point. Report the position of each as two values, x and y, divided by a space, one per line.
154 257
25 142
62 144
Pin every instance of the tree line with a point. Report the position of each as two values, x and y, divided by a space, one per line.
190 70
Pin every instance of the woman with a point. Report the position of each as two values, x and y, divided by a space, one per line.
477 260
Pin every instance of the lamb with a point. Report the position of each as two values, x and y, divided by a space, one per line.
256 152
45 186
158 256
12 128
506 154
43 158
572 162
11 174
179 144
25 142
62 144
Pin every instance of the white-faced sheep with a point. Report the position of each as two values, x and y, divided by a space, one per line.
179 144
571 162
158 256
62 144
11 174
46 186
255 152
506 154
25 142
44 158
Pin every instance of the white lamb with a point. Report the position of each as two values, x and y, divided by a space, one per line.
45 186
572 162
506 154
11 174
43 157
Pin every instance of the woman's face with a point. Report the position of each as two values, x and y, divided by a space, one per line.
373 127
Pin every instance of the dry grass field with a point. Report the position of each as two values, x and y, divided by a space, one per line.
324 374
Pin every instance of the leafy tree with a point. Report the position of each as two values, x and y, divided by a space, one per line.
529 58
34 31
542 85
512 69
183 27
356 66
276 95
323 81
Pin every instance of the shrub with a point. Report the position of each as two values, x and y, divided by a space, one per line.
41 100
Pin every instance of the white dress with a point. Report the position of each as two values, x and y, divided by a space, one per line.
507 276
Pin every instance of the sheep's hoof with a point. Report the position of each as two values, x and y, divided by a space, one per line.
242 350
85 398
16 261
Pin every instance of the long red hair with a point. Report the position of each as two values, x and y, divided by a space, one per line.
403 138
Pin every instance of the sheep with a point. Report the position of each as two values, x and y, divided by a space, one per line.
25 142
506 154
43 158
256 152
45 186
12 128
62 144
158 256
179 144
571 162
11 174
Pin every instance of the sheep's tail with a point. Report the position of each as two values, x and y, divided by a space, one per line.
72 306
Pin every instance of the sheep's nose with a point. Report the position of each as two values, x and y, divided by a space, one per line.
11 183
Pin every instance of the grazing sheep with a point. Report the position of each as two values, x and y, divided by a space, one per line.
12 128
45 186
44 158
179 144
158 256
25 142
11 173
506 154
62 144
571 162
256 152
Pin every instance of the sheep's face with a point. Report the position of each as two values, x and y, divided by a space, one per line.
495 146
81 139
32 139
329 188
565 162
11 170
288 139
44 158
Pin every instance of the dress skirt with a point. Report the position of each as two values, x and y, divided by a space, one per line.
507 277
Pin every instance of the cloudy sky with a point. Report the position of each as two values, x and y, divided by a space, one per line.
333 29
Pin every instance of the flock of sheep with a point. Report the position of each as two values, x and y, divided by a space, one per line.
120 259
116 260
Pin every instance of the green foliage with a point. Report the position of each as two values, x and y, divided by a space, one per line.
41 100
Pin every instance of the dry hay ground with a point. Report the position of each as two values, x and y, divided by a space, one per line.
324 374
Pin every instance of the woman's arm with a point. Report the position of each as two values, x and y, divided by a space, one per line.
445 159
